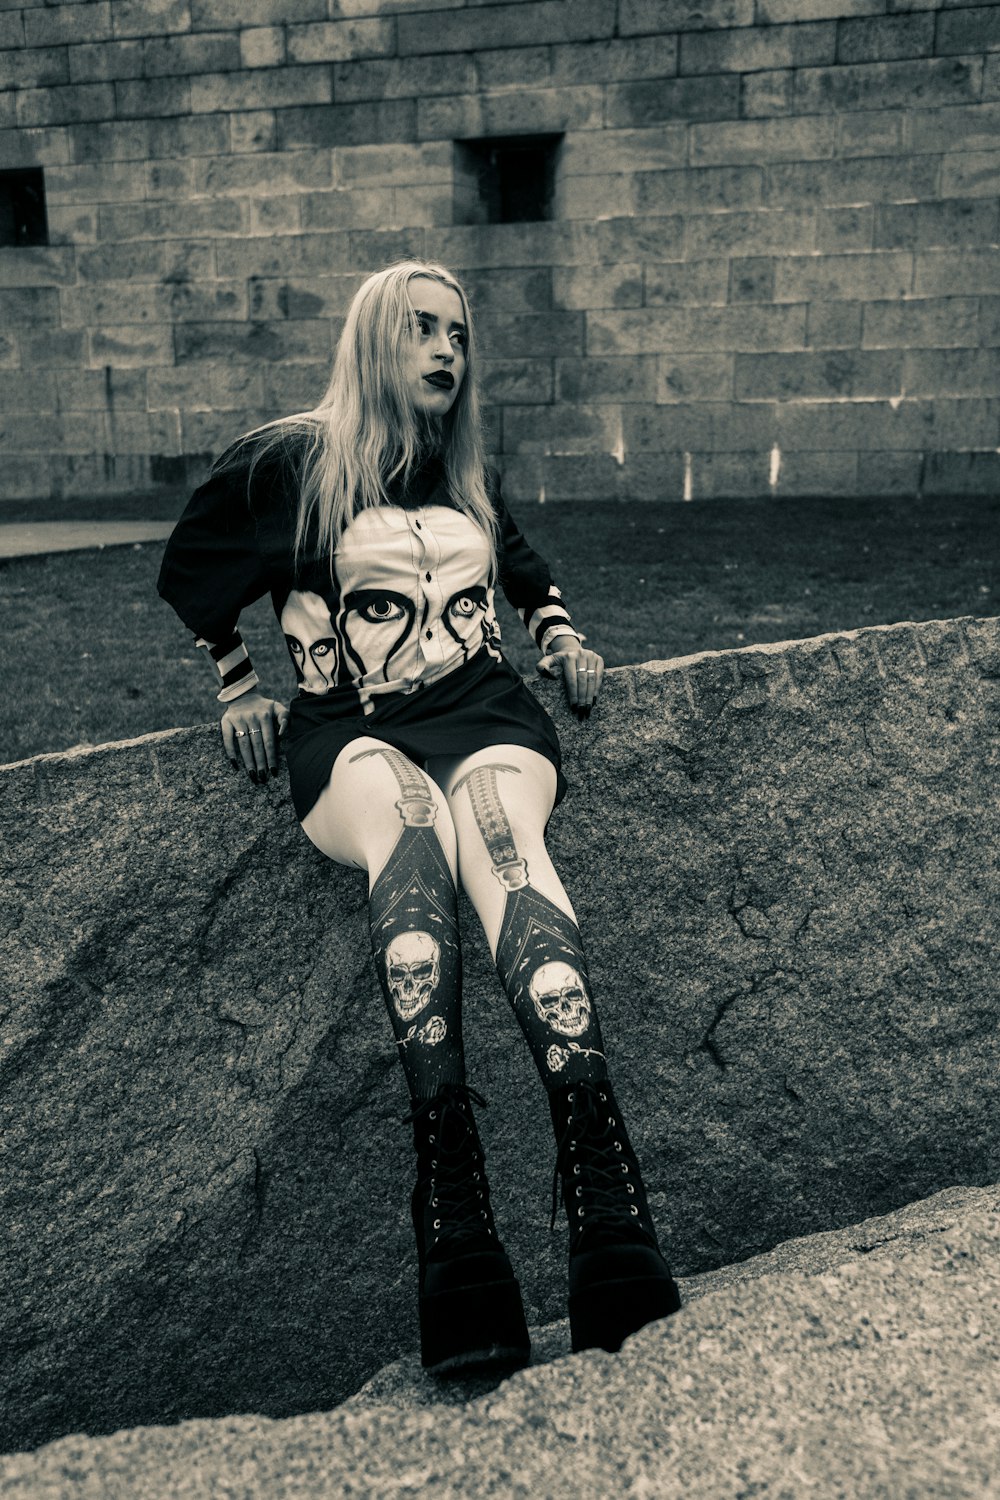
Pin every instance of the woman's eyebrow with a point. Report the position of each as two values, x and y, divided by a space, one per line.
432 318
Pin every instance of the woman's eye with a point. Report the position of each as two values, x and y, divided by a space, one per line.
381 610
458 338
319 649
464 606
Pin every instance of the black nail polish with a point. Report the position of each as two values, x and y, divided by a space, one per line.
586 711
235 764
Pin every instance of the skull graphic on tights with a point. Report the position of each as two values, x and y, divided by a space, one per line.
560 998
413 968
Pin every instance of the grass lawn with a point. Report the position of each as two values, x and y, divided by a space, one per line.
89 653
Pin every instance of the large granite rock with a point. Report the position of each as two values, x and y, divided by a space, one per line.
783 860
862 1363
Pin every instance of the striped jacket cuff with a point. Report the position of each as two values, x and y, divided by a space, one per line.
548 620
233 664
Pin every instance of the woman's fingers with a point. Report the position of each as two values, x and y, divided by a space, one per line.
268 744
252 736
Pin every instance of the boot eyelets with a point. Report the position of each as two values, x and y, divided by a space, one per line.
580 1213
437 1223
624 1166
482 1213
629 1188
434 1203
433 1165
576 1169
634 1211
432 1115
579 1192
618 1145
432 1139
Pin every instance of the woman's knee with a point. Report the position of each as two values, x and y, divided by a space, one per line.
373 793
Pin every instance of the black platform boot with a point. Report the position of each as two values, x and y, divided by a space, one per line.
618 1279
471 1315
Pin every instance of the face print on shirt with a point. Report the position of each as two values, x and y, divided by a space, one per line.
375 623
311 641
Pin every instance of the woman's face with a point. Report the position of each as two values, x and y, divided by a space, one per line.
438 347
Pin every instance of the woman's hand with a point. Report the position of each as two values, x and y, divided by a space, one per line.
251 726
583 672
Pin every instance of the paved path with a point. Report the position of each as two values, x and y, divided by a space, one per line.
34 538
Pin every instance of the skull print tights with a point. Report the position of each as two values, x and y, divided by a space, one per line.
413 922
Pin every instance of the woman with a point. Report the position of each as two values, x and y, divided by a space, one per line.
416 753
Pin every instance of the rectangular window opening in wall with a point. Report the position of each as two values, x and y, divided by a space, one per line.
505 179
23 219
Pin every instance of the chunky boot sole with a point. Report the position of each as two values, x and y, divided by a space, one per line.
474 1327
603 1316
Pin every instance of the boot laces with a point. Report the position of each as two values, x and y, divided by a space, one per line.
459 1190
592 1161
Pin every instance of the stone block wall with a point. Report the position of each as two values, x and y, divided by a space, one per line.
772 266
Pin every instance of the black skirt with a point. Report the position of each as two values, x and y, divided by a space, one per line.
484 702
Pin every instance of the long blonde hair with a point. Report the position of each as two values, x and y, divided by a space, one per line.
364 432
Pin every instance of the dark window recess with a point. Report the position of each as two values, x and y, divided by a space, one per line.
22 208
505 180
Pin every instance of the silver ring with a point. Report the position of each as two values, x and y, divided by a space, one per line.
254 731
590 671
241 734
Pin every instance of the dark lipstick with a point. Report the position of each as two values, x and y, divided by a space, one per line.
442 378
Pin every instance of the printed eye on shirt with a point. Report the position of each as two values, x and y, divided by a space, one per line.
410 601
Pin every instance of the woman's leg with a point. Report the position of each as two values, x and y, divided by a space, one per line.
381 813
500 800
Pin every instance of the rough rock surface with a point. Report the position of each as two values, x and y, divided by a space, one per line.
860 1363
783 860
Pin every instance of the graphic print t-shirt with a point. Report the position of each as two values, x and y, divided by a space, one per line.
409 599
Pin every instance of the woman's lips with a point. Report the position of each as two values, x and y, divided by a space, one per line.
441 378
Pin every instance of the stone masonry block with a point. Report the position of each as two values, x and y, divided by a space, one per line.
111 141
575 196
943 272
209 385
31 148
93 182
886 273
976 173
65 105
96 390
931 323
642 103
522 245
560 429
87 306
774 12
62 432
517 382
262 46
968 127
989 320
152 17
881 85
393 165
348 208
961 474
105 61
29 307
811 374
130 345
669 330
886 38
58 25
751 279
509 291
833 325
145 432
970 31
742 50
211 52
11 28
400 78
537 110
693 377
586 381
52 348
893 473
685 283
878 179
845 229
791 231
430 206
616 61
648 238
341 41
293 387
252 130
284 255
148 97
256 88
528 24
42 67
913 424
870 132
753 141
32 391
212 15
817 474
349 124
36 265
262 173
951 372
764 95
173 221
712 188
955 223
72 224
640 16
511 336
597 286
597 152
303 340
511 67
274 298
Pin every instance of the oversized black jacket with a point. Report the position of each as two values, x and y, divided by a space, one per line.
409 600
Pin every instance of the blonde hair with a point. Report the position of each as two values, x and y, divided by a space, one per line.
364 432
